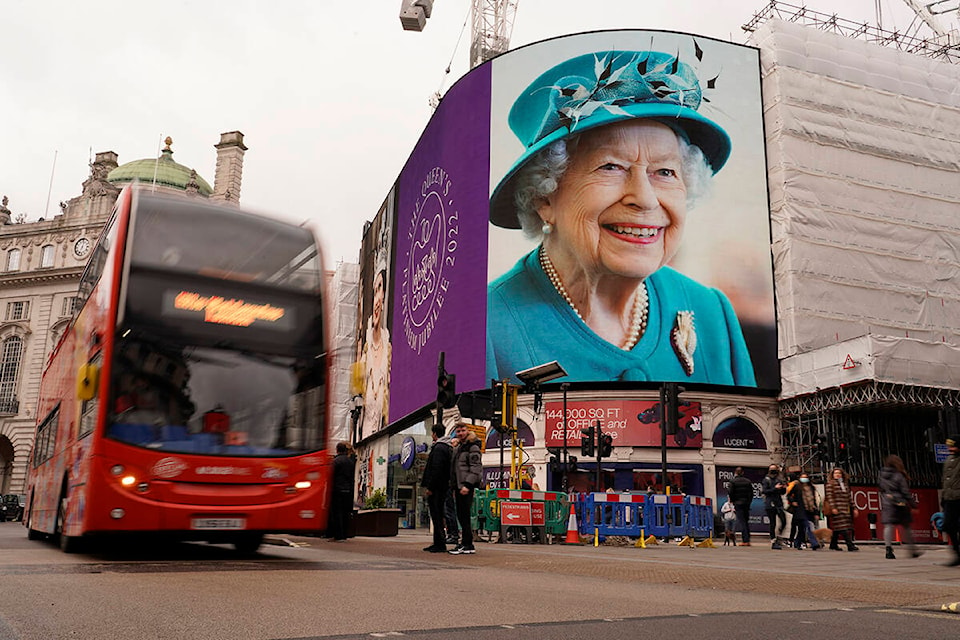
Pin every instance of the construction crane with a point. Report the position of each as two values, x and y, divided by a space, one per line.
491 24
929 12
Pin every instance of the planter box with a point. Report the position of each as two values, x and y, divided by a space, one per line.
376 522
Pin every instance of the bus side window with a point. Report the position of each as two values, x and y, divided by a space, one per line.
98 260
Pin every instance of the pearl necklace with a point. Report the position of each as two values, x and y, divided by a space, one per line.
641 302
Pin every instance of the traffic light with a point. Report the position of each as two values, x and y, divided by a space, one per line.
670 399
606 445
496 399
822 447
447 390
856 441
572 463
586 442
843 452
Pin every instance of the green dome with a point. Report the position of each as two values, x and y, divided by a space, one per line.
164 170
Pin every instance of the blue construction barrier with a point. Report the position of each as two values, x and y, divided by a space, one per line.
613 514
637 514
699 516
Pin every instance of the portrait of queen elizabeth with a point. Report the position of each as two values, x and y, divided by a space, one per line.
616 152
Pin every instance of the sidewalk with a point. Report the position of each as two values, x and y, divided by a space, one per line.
864 576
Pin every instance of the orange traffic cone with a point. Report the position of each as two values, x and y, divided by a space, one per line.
573 536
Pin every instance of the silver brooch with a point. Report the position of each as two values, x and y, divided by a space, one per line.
684 340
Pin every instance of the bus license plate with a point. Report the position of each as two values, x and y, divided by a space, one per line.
218 523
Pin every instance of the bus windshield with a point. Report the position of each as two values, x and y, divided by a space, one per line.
188 399
193 237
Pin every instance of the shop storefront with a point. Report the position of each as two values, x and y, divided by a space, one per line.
407 456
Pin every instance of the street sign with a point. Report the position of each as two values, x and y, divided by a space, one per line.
941 452
516 514
537 510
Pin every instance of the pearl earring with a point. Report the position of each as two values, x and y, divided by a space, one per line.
547 228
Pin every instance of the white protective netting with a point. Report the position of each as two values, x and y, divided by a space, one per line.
863 147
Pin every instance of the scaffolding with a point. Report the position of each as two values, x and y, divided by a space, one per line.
941 46
896 419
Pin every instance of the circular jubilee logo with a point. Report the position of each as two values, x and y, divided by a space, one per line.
408 451
432 241
169 467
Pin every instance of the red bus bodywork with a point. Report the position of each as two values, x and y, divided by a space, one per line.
91 484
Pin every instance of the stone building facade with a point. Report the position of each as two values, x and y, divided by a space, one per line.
40 268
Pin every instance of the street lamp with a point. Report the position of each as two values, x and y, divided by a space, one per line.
533 378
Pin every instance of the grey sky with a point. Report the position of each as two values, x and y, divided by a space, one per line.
331 96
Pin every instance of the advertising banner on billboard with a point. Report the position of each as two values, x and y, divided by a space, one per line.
606 252
632 423
598 199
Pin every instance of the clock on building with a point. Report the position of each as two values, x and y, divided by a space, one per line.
82 247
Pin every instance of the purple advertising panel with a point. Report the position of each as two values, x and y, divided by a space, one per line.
629 226
440 250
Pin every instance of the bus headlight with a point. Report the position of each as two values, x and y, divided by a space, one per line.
116 469
118 513
127 481
143 487
303 484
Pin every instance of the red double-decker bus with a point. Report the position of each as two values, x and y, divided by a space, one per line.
189 395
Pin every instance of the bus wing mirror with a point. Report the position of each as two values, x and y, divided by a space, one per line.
87 381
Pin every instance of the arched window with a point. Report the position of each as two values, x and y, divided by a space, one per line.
46 256
9 372
13 260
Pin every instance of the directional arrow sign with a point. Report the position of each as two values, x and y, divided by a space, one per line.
516 514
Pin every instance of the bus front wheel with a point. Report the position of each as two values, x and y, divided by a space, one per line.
68 544
248 544
32 534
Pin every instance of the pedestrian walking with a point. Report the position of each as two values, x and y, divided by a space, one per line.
896 505
436 484
805 510
838 507
741 495
341 501
950 500
773 489
466 471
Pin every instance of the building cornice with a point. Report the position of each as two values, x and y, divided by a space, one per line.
19 279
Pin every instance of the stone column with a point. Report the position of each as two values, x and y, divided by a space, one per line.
229 173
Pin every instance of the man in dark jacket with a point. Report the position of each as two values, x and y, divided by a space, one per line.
341 502
436 484
466 472
740 494
773 489
950 500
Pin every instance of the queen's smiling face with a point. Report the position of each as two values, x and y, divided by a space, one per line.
620 207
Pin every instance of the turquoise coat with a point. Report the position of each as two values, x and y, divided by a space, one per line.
529 323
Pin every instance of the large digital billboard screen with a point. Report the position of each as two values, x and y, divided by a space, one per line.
599 200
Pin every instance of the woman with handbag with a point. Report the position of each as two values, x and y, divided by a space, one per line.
896 503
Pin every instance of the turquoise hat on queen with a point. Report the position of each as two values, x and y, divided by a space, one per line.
601 88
